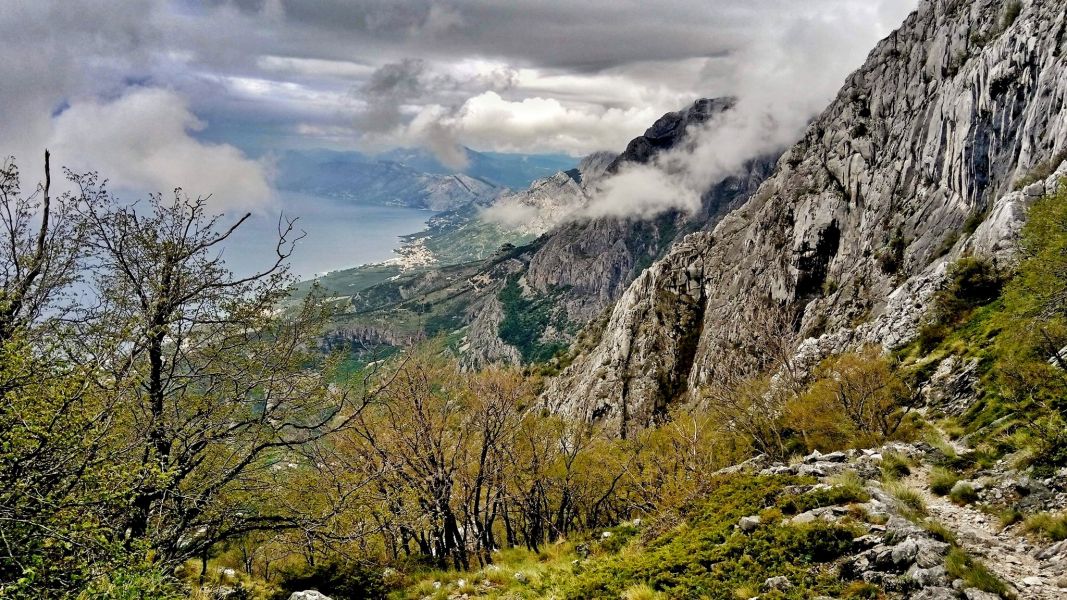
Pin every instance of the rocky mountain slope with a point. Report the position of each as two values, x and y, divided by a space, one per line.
911 166
526 303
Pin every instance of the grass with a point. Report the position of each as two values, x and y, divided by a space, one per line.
958 564
1048 525
895 466
703 557
963 493
910 500
939 531
942 480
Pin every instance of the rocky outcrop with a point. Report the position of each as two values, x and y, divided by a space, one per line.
853 230
905 547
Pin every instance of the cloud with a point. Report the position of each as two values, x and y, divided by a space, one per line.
143 141
557 75
534 125
782 78
512 215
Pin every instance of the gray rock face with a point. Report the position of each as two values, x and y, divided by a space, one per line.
951 388
855 227
595 260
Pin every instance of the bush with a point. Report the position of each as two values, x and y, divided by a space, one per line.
709 558
1011 12
972 282
942 480
857 399
134 583
848 491
1042 171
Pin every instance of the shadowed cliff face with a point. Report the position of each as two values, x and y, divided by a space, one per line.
932 131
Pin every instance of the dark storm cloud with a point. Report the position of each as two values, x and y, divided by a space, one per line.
563 34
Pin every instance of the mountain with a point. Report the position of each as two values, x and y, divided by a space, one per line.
412 178
528 302
359 178
515 171
912 166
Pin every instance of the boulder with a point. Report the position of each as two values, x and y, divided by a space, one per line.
308 595
748 524
780 583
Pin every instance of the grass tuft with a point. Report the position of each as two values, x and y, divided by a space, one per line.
963 493
911 500
942 480
1049 525
895 466
974 574
642 591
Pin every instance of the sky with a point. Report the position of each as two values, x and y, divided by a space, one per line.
156 94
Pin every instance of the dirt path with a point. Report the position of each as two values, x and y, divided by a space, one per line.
1007 554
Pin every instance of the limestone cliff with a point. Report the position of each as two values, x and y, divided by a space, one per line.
854 228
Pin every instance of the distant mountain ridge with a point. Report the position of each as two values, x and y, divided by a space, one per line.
411 178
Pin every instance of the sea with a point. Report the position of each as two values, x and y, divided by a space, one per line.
337 234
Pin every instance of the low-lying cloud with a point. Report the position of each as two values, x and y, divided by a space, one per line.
783 80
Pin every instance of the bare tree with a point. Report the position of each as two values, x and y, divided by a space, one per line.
38 252
215 386
756 377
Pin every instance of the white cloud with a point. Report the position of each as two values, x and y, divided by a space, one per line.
536 124
142 141
782 78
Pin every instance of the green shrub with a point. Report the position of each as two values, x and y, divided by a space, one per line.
335 579
1042 171
972 282
526 320
847 489
1011 12
942 480
891 258
619 537
134 582
858 590
708 558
